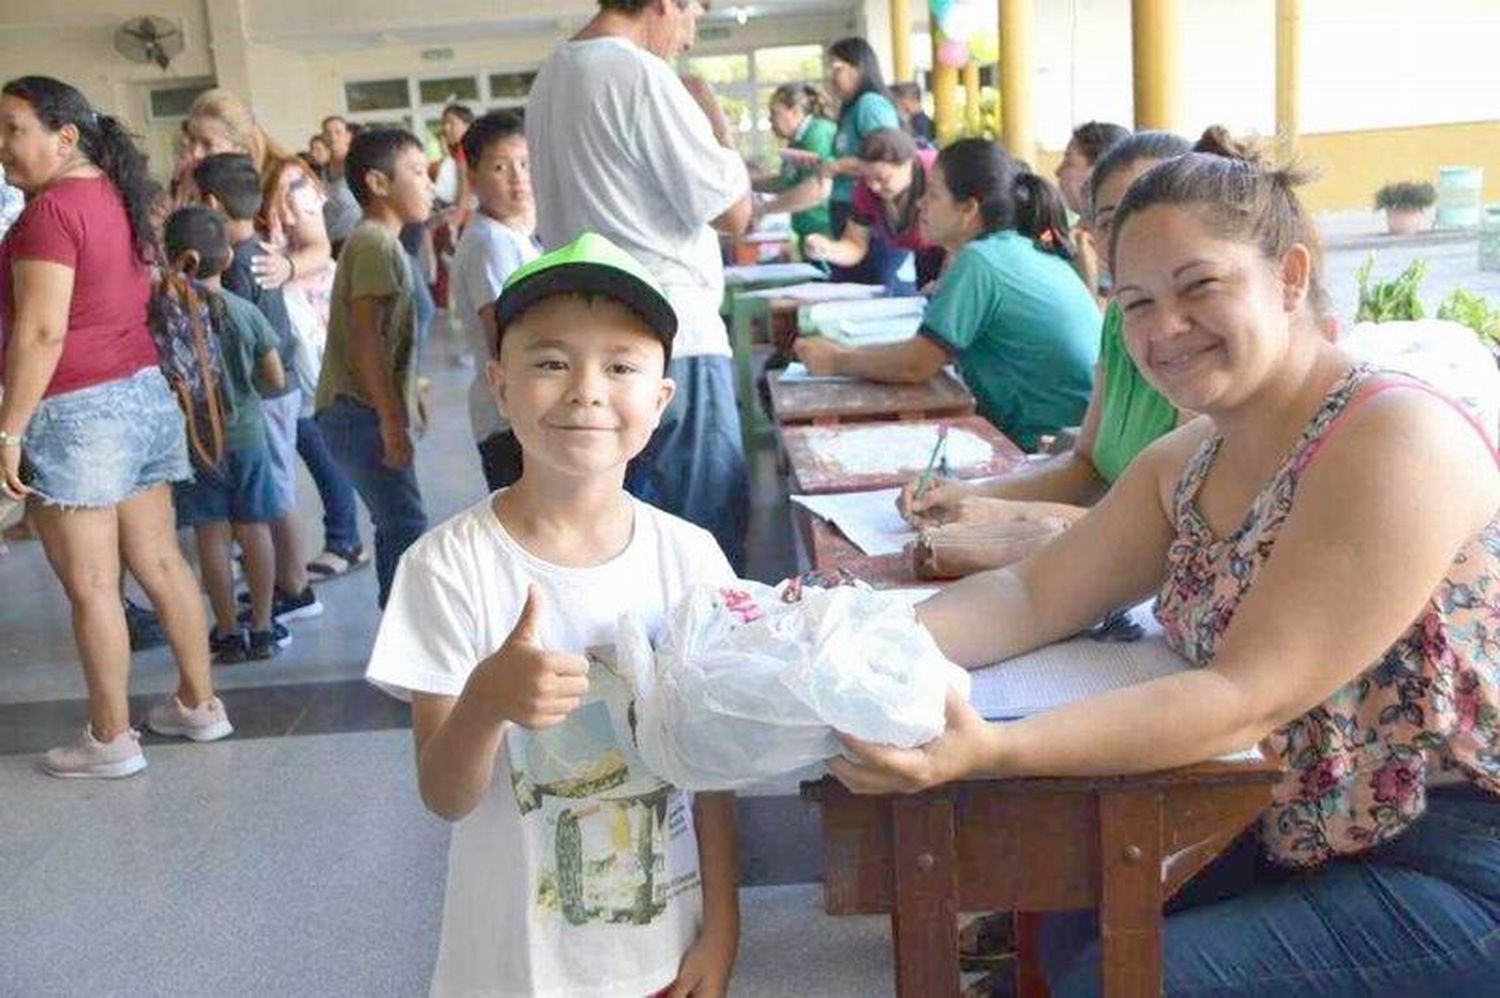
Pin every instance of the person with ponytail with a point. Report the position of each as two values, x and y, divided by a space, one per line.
855 80
91 436
887 218
1324 551
799 115
1124 416
1009 309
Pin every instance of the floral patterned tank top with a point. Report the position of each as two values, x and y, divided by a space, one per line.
1356 767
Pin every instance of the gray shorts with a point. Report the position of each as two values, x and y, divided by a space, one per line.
97 446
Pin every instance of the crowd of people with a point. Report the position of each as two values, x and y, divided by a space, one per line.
1321 537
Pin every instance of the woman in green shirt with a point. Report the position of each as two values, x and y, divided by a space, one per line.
799 114
1124 415
855 79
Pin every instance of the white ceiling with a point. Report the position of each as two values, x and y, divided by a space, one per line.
324 27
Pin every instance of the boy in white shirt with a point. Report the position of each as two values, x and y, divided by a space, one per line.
497 240
572 870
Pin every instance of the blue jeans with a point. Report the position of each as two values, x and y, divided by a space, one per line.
340 526
393 498
1419 915
694 464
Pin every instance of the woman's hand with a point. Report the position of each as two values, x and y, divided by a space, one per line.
938 503
272 268
815 246
967 747
820 356
10 474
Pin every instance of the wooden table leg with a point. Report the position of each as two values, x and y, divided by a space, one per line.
1130 905
924 924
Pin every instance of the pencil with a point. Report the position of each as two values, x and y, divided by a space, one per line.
938 447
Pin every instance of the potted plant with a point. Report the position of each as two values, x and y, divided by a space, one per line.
1405 204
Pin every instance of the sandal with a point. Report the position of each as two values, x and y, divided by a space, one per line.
331 563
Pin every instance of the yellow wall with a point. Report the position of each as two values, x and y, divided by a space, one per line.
1355 164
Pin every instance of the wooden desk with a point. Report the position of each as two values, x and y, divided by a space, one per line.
826 547
1122 844
832 402
808 474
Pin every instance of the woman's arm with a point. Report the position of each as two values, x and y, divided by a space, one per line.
799 197
43 293
1345 580
909 362
847 251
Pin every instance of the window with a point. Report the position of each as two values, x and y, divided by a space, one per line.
416 103
377 95
172 103
744 83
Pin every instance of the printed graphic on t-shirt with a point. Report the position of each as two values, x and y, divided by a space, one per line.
618 853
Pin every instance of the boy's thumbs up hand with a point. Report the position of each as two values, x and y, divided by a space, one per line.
525 683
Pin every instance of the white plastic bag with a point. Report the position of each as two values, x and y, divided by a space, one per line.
751 681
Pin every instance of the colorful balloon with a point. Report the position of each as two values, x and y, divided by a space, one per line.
985 47
966 18
953 53
938 10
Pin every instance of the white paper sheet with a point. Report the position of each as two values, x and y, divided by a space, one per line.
869 519
1072 670
756 273
796 373
886 448
819 291
816 318
869 332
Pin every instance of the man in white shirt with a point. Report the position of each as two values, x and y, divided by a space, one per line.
620 146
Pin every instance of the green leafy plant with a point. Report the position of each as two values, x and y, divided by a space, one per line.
1389 301
1406 195
1468 309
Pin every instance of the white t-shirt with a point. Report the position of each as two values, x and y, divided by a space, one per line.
619 147
487 253
577 875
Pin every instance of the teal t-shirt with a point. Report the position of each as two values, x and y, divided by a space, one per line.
1132 413
816 136
1025 333
244 338
869 113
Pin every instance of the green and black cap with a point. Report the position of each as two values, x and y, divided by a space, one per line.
590 265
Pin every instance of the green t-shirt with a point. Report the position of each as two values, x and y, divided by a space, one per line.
1025 333
869 113
816 136
372 264
1132 413
245 337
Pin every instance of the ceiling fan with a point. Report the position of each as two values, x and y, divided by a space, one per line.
149 39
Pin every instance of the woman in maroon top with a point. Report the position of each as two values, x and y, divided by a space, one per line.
90 434
887 207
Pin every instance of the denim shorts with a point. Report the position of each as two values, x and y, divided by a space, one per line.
99 445
241 490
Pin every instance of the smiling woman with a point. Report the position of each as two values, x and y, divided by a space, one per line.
1325 549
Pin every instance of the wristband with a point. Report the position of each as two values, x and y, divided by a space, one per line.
9 440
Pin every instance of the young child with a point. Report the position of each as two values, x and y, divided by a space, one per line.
236 499
573 870
496 241
366 392
228 182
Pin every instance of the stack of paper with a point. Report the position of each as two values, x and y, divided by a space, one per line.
819 291
869 519
795 373
765 273
870 332
827 315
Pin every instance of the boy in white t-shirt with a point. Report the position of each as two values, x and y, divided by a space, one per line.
497 240
572 870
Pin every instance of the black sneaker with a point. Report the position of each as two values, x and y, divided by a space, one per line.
268 644
286 608
144 627
228 649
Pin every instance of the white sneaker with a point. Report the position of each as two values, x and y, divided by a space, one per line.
204 723
89 758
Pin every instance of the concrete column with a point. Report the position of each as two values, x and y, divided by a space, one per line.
1017 28
972 119
229 44
1155 30
1288 75
901 70
944 92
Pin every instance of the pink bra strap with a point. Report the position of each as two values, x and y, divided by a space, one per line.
1384 385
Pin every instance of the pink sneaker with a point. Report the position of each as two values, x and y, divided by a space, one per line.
204 723
90 758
